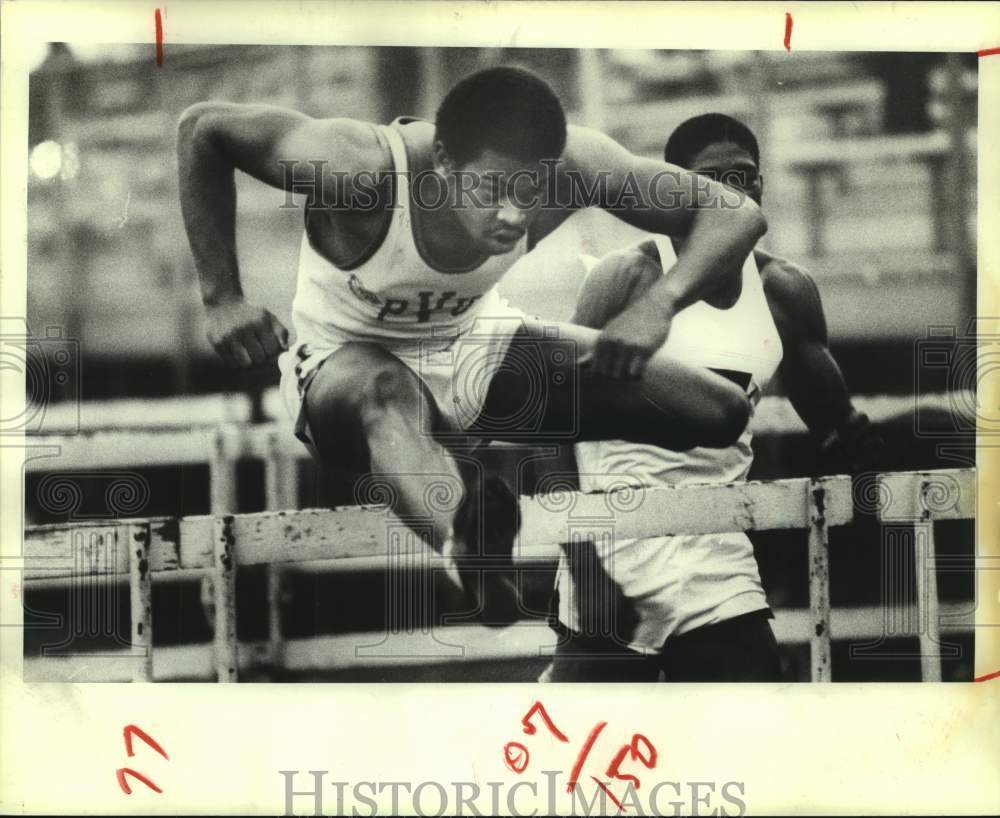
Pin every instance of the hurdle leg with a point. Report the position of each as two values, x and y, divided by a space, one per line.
141 602
224 581
275 638
221 475
819 586
281 489
222 494
928 613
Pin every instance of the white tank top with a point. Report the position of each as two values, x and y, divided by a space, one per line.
676 584
394 297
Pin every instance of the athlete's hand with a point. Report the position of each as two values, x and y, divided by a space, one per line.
244 334
857 442
629 340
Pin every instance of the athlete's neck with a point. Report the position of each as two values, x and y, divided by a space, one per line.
440 237
445 241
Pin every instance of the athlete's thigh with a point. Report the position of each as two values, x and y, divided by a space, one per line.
540 390
742 649
351 380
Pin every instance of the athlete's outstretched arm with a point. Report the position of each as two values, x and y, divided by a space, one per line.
721 227
706 409
810 375
213 140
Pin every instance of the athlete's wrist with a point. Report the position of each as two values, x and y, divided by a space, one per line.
851 422
223 298
667 304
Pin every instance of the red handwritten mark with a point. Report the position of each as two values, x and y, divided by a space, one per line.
584 752
635 750
640 748
988 52
530 729
610 794
159 38
788 31
130 730
516 756
123 771
995 674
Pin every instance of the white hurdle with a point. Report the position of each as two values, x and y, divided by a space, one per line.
819 586
281 491
917 500
220 447
141 600
220 543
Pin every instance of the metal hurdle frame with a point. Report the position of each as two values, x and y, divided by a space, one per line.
220 543
220 447
918 500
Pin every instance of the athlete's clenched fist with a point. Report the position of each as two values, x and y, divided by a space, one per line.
628 341
245 334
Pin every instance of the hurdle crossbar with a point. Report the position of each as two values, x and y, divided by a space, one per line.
359 531
221 542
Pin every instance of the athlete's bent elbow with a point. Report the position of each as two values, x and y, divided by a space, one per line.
754 218
189 119
195 124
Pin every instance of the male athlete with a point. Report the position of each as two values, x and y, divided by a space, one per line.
401 336
692 607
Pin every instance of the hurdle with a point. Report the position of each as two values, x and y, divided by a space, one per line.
219 447
914 502
137 414
220 543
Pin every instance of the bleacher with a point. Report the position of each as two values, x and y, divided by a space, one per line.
868 213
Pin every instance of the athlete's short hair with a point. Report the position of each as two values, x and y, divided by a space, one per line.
508 109
692 136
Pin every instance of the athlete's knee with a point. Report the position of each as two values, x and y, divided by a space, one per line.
390 389
361 384
725 419
642 272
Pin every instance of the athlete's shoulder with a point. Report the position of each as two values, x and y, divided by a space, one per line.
785 281
334 144
418 136
792 295
360 142
588 148
414 127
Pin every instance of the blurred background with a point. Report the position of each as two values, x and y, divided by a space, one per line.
869 163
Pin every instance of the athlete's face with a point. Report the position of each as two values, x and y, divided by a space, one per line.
495 198
732 165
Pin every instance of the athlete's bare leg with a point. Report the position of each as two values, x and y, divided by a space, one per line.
674 405
369 414
371 418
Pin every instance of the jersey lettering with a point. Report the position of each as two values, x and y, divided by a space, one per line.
428 305
425 310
